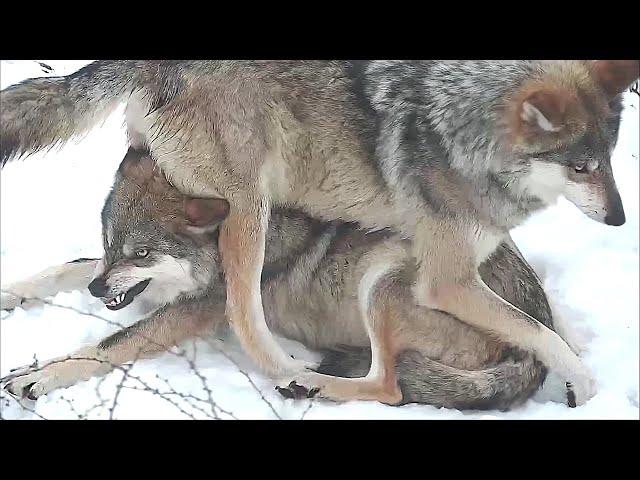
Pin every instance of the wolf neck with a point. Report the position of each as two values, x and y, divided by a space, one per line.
447 116
473 133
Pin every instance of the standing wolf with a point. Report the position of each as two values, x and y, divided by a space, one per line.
450 154
164 252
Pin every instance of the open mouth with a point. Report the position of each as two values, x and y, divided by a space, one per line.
126 298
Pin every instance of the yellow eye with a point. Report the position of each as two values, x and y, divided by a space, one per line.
141 252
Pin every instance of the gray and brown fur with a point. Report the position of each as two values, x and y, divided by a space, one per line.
310 288
451 154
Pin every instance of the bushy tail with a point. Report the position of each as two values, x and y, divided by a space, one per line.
42 112
422 380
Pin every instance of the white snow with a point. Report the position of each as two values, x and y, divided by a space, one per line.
50 214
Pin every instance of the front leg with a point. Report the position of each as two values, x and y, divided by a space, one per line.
448 280
144 339
33 381
242 244
70 276
509 275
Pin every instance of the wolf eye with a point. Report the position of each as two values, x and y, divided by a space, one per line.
580 167
141 252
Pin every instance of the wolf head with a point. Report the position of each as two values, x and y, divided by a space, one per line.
156 240
563 124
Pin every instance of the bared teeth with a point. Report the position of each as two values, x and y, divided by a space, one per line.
116 301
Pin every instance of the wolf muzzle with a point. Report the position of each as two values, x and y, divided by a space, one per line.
98 287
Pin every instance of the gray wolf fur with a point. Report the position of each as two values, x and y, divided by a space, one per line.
451 154
312 288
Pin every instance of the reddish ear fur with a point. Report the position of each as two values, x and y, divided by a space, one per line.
545 109
139 167
201 212
614 76
540 109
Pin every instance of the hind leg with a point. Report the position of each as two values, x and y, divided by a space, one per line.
70 276
380 384
381 319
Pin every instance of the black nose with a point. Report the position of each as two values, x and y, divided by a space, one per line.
615 210
615 219
98 287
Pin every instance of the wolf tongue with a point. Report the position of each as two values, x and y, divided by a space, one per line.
115 301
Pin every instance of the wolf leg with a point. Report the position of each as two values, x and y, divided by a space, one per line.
144 339
381 318
70 276
453 284
242 245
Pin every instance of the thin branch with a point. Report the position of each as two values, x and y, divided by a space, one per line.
311 403
256 388
126 370
22 405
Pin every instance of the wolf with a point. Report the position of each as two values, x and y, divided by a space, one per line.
450 154
316 290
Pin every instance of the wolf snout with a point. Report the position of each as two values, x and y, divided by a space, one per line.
617 219
615 213
615 209
98 287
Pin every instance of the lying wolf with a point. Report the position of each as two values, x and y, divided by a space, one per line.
320 281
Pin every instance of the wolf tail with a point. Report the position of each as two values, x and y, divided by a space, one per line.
505 385
40 113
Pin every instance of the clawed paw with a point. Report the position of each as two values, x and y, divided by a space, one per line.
297 392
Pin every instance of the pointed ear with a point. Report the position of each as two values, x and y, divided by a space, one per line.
137 165
614 76
543 110
205 213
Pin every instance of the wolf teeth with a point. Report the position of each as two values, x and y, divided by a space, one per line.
117 300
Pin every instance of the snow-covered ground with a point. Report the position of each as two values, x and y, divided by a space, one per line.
50 214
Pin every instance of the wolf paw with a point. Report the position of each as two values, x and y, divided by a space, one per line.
25 382
9 301
580 389
304 384
297 392
33 381
338 389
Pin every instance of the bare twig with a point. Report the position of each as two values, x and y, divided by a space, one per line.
119 387
126 370
203 381
22 405
255 387
72 408
187 397
311 403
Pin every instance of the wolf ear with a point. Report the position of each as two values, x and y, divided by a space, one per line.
138 166
543 110
205 213
614 76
